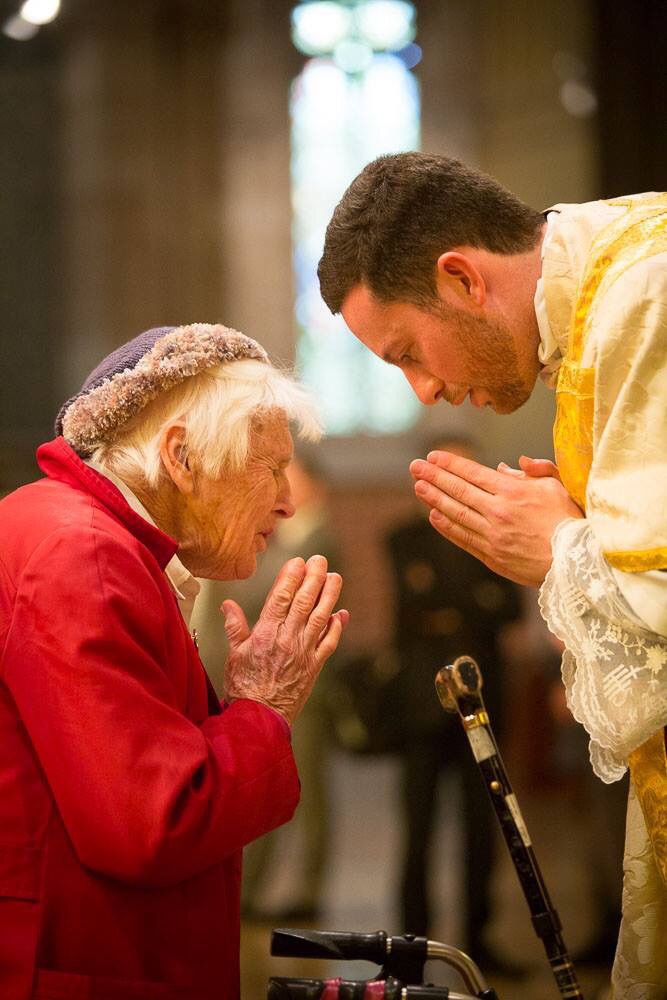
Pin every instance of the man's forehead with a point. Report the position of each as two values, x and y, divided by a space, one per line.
361 300
374 322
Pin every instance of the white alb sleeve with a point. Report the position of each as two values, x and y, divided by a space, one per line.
614 667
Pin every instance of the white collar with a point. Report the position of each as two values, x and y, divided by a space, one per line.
549 353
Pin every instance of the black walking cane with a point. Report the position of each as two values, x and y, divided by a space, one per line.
459 688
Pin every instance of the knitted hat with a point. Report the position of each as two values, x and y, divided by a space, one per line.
134 374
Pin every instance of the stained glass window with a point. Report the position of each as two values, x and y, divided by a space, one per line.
356 98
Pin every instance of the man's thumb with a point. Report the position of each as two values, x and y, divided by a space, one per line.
539 468
236 625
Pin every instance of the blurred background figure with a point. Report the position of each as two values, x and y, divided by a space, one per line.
308 533
447 604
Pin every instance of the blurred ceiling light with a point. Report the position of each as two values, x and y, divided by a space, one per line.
19 29
410 55
353 57
318 26
386 24
578 99
40 11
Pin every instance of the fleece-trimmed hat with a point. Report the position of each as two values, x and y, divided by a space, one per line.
134 374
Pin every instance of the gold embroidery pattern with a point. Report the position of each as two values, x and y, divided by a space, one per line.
611 255
577 381
618 247
638 562
648 767
573 429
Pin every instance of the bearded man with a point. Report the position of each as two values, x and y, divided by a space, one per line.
441 271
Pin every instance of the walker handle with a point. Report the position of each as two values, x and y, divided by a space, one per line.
329 944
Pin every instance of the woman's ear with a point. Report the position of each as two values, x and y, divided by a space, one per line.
458 275
174 458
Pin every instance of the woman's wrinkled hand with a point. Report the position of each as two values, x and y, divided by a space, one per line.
505 518
278 662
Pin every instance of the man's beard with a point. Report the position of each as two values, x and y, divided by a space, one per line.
493 360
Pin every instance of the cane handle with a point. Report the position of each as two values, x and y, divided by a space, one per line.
459 687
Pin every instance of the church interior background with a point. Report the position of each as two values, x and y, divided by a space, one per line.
169 161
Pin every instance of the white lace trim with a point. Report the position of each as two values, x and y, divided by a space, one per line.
614 668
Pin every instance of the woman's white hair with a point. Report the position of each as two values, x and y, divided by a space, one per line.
217 407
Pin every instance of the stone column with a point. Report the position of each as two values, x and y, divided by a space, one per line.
142 167
30 278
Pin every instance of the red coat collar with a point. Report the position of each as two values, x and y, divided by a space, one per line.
60 462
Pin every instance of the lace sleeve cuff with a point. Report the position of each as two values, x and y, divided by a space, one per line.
614 669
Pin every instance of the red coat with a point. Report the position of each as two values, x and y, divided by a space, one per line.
125 794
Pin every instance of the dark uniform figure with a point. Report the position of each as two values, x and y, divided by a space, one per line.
448 604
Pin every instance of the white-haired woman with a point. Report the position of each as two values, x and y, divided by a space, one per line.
128 789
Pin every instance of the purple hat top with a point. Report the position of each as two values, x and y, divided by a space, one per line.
134 374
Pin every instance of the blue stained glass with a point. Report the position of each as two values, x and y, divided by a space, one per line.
341 121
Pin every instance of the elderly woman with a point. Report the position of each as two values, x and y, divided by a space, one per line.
127 790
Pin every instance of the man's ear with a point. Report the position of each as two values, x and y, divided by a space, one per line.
459 276
174 458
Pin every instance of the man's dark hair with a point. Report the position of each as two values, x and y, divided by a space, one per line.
401 212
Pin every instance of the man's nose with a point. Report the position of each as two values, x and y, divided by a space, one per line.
426 387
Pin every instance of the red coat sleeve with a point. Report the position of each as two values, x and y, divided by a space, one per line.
146 795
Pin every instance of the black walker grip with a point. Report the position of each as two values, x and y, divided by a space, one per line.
431 992
295 943
282 988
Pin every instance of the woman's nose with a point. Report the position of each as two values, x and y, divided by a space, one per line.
284 506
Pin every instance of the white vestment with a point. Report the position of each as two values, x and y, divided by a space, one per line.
605 595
